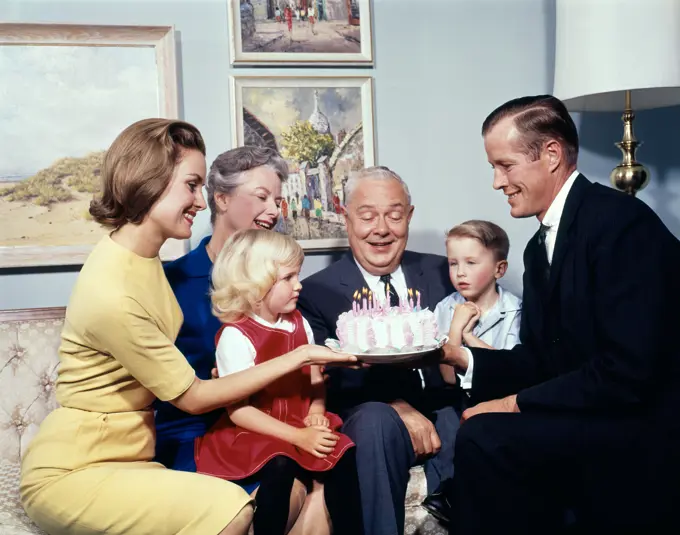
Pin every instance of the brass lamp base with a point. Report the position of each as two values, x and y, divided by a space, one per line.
629 176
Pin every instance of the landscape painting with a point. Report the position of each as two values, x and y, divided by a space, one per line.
323 127
62 106
317 32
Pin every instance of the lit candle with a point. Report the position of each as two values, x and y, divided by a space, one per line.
418 299
355 306
364 303
370 301
410 298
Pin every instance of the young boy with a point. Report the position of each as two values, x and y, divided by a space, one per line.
480 313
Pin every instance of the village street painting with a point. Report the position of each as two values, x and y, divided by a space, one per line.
323 127
303 31
60 109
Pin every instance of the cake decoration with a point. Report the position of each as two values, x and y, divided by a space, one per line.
372 325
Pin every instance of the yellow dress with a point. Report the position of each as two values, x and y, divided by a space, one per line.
89 469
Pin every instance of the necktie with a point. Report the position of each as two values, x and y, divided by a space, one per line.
543 251
392 295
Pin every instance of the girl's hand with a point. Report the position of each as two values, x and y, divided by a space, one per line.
316 419
315 354
319 441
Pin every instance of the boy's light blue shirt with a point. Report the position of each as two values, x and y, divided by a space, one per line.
498 327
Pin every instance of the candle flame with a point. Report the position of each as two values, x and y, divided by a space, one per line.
410 292
364 291
355 296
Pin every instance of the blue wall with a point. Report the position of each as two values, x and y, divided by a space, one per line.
441 67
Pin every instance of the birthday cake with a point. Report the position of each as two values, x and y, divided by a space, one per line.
377 327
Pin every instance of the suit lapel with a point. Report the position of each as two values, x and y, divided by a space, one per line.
351 278
571 206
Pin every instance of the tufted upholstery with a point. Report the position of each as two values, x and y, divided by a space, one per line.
29 341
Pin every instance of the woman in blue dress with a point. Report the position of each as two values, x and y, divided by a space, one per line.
244 191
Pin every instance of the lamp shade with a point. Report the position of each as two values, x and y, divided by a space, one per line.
605 47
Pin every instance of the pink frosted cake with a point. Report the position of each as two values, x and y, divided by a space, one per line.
376 328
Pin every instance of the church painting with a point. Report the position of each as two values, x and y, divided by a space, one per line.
323 127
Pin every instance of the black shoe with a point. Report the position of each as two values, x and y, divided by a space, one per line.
438 505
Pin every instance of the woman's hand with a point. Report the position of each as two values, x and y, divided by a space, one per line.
321 355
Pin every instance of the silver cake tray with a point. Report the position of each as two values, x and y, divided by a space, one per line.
387 357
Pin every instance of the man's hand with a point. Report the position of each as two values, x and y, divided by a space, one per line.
508 404
456 356
424 438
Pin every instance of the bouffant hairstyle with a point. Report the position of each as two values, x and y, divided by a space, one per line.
247 268
138 167
490 235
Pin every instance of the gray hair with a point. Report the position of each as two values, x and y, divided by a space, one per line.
226 172
378 172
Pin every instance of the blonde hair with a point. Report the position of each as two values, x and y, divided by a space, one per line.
247 268
490 235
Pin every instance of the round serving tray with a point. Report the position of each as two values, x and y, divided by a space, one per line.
394 356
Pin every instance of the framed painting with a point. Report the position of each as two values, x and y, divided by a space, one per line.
323 127
300 32
68 91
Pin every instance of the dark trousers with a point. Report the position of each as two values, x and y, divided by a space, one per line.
384 456
521 473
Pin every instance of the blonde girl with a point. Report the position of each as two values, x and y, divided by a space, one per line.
282 432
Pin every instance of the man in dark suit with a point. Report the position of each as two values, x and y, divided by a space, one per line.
396 416
583 414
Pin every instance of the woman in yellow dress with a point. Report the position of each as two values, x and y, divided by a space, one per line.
89 470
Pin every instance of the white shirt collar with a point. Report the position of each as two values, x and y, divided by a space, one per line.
373 280
554 213
507 302
280 323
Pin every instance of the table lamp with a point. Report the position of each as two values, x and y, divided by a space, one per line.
613 55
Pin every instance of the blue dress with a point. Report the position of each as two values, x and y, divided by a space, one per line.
176 430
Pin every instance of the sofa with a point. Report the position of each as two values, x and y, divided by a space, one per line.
29 340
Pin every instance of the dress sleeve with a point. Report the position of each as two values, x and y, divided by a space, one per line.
131 336
235 352
308 331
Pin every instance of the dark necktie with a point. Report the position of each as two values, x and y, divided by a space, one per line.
543 251
389 287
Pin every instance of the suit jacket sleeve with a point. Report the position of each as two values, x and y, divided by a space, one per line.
314 317
634 291
503 372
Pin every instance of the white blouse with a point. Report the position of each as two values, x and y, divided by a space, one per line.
236 353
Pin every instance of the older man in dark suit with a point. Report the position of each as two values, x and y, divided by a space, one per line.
583 414
396 416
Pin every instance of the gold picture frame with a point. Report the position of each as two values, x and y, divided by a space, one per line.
45 222
324 127
300 32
